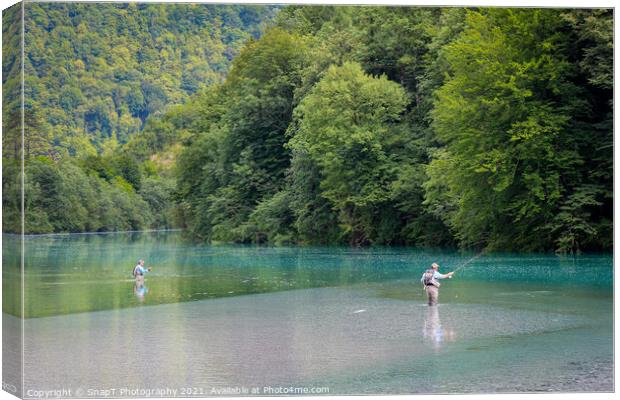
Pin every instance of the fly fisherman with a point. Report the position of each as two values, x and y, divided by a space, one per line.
431 285
139 271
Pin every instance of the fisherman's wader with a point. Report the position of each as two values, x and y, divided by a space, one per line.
433 294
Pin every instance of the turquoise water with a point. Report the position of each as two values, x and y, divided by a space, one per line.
350 321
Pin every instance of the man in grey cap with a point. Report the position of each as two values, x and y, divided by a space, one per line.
431 285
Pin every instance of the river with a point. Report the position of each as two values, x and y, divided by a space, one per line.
224 319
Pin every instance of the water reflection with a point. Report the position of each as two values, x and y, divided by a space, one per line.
140 289
315 337
433 330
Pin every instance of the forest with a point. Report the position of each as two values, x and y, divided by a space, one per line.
480 128
94 75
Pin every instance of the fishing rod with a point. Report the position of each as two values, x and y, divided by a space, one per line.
477 256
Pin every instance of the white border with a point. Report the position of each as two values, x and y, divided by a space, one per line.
487 3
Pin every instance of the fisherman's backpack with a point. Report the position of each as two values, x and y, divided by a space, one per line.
135 271
428 278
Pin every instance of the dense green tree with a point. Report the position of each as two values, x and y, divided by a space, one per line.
346 125
94 75
61 197
315 222
241 155
489 143
100 70
511 114
486 128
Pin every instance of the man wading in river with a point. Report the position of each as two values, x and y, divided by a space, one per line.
431 285
139 271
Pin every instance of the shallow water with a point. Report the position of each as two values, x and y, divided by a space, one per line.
350 320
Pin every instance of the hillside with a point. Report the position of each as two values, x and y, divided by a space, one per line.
97 72
94 75
479 128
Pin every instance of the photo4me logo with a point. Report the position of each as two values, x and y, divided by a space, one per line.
291 390
265 390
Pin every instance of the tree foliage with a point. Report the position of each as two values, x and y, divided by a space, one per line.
95 74
482 128
488 127
100 70
347 125
517 126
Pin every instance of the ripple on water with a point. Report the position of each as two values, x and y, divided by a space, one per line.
312 335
